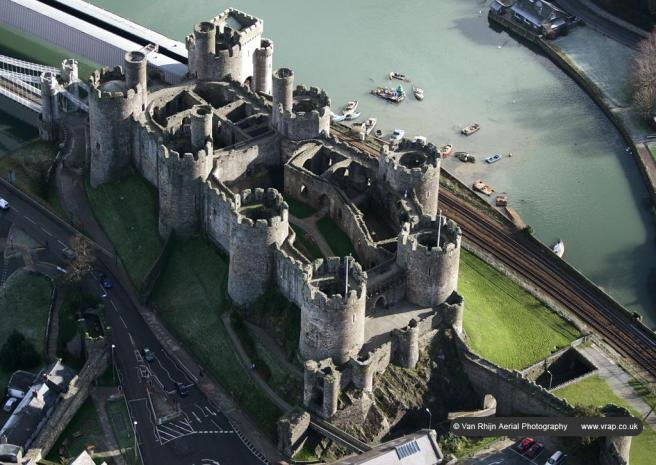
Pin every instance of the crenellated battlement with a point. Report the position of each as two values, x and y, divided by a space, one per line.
251 28
422 237
415 160
109 83
325 285
185 161
260 208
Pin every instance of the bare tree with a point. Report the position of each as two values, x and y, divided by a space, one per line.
82 264
644 76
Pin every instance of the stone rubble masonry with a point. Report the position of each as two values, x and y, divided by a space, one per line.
260 224
292 428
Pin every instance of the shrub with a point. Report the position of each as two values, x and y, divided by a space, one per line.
18 353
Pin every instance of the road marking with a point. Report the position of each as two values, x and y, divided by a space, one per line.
29 219
61 243
47 232
196 416
131 340
113 305
123 321
15 209
210 411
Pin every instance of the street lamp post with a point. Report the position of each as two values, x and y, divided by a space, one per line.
113 366
430 417
550 378
136 460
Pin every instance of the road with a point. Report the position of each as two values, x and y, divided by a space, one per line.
607 27
201 435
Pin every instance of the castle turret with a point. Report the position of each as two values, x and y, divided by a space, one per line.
260 223
332 311
301 114
69 71
201 126
49 118
263 67
180 177
413 172
407 341
431 266
113 100
202 49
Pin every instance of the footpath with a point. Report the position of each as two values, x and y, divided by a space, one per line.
70 186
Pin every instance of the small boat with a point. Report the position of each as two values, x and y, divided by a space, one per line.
501 200
445 150
399 76
350 107
391 95
471 129
483 188
338 118
351 116
419 93
397 135
493 158
378 133
559 248
421 140
465 157
369 125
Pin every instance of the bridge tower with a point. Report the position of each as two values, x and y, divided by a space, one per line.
49 118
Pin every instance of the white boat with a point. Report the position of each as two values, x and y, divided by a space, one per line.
369 125
421 140
559 248
397 135
338 118
350 107
399 76
493 158
351 116
419 93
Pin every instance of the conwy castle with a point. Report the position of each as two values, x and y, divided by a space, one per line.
226 149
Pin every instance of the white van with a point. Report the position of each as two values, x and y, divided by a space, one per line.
556 459
4 205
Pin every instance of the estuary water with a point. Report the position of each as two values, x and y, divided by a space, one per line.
569 176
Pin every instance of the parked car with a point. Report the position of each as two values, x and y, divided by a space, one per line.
10 404
4 205
105 281
183 390
524 444
556 459
148 355
68 253
535 450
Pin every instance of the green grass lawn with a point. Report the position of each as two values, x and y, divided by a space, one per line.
24 306
652 150
127 210
596 392
299 209
84 429
337 239
305 244
504 323
29 165
190 297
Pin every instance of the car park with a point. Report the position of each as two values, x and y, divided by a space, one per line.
148 355
524 444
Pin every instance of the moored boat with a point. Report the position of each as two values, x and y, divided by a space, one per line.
465 157
350 107
419 93
351 116
421 140
559 248
399 76
471 129
337 118
369 125
493 158
483 188
445 150
378 133
391 95
397 135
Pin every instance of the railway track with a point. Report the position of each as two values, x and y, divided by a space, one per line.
545 272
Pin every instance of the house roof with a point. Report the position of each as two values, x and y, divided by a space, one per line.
84 459
419 448
538 11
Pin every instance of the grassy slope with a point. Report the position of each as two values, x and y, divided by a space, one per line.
29 164
127 210
596 392
337 239
24 307
191 295
299 209
305 244
504 323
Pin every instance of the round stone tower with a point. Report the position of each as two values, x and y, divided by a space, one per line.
260 223
332 313
263 67
414 172
49 118
201 126
283 90
429 253
113 100
202 49
180 178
